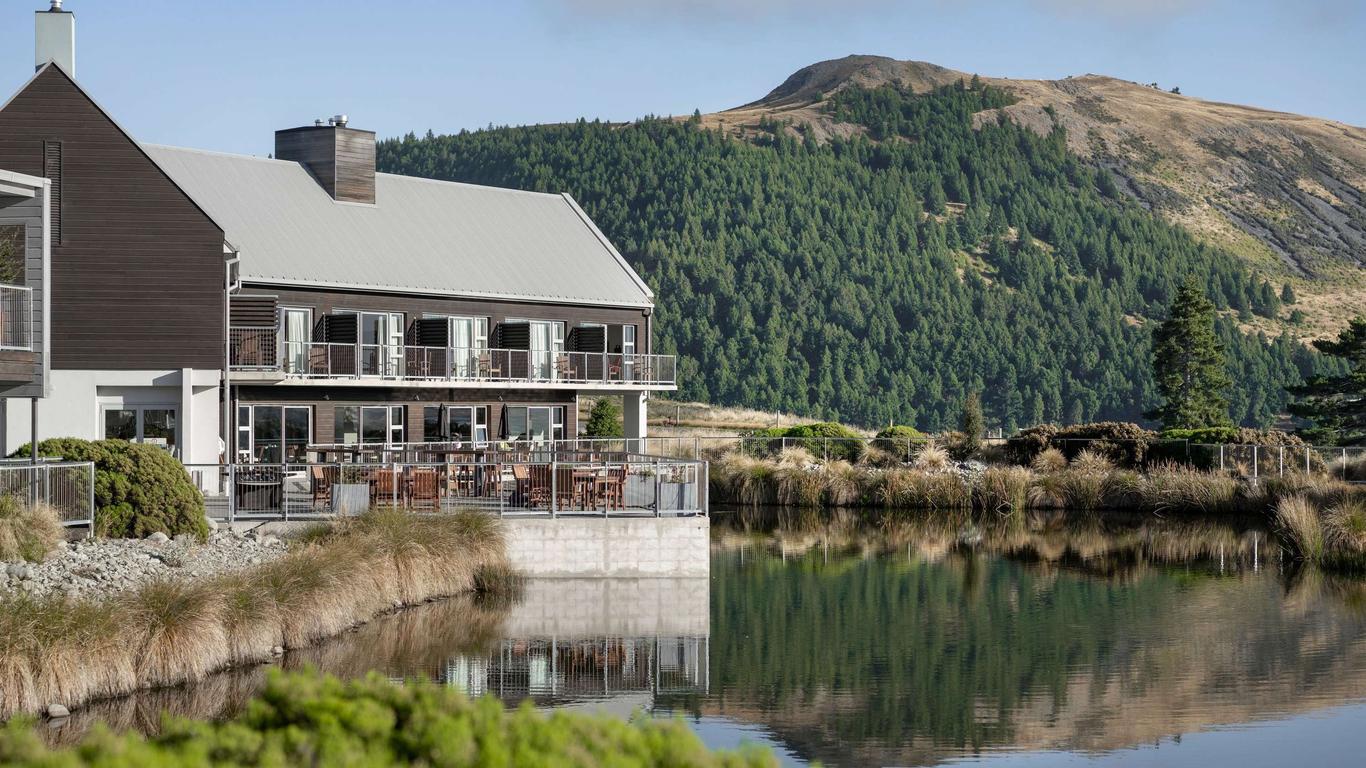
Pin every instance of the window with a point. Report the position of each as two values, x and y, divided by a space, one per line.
381 343
455 423
547 345
535 423
296 332
368 424
274 434
628 351
155 425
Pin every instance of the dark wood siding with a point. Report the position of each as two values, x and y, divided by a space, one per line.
137 279
341 159
324 302
252 311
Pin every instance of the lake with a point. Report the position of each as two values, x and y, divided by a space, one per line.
1057 640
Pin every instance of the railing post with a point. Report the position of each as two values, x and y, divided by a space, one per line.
1221 457
1280 469
394 484
1307 469
659 489
92 499
1344 463
1256 469
232 493
554 494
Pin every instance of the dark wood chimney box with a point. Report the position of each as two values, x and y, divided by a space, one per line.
341 159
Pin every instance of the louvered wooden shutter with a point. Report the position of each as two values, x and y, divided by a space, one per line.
52 169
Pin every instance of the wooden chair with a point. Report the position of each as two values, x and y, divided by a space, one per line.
426 488
521 481
539 486
564 368
322 486
614 487
489 367
384 489
567 494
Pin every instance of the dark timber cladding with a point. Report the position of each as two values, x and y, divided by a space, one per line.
137 278
341 159
327 302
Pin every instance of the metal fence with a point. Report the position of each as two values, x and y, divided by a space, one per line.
66 486
16 317
625 485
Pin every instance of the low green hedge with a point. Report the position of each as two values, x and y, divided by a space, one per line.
307 719
840 441
139 489
900 441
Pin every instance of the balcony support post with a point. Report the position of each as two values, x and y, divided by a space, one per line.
634 420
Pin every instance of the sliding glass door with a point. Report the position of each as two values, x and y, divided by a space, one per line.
274 434
469 341
535 424
545 349
381 343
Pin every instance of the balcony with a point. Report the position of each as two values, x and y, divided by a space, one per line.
258 353
16 318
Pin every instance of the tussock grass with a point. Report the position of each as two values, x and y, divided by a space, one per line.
933 457
1300 526
1049 460
1005 490
1171 488
27 531
1346 523
56 650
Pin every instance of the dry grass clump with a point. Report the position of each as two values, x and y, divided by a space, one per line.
1004 490
744 479
933 458
1092 462
1346 523
843 483
795 456
56 650
1299 524
27 531
1175 488
799 486
1351 468
1049 460
917 489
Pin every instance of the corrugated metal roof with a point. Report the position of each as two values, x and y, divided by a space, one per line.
420 236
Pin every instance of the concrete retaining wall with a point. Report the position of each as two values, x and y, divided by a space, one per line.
645 547
621 607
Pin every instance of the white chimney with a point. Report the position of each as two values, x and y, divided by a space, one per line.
56 38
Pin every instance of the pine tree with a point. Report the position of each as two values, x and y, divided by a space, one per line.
1337 404
605 419
973 424
1188 364
1287 294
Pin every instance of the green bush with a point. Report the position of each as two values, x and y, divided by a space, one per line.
309 719
900 441
604 420
139 489
822 440
1126 445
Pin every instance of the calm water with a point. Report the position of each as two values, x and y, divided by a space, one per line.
1051 643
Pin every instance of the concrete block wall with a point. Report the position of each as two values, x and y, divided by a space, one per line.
645 547
612 607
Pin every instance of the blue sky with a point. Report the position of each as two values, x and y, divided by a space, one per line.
224 75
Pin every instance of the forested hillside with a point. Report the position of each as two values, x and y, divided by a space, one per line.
881 277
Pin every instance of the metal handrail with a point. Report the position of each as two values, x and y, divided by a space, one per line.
332 360
16 317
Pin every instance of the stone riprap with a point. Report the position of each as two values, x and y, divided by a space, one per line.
99 568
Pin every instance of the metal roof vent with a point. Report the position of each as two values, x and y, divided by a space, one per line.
338 120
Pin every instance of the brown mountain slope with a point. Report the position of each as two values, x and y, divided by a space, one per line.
1285 192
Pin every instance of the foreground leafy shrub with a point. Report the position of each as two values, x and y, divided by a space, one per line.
823 439
139 489
900 441
27 531
308 719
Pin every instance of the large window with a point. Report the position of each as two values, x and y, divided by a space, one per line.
535 423
547 345
469 337
368 424
154 424
381 343
455 423
274 434
296 336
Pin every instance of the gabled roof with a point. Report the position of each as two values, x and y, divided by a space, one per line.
421 236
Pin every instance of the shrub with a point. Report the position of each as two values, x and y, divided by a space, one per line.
139 489
823 439
27 531
306 718
604 420
900 441
1125 444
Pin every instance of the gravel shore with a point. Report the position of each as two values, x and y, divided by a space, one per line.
101 568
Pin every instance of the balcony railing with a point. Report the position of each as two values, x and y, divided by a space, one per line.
16 317
256 349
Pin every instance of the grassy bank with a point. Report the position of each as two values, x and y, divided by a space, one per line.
1322 519
307 719
65 651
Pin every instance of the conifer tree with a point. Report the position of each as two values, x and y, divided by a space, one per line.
973 424
1337 404
1188 364
605 419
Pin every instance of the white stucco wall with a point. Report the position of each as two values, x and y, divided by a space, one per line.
637 547
73 409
